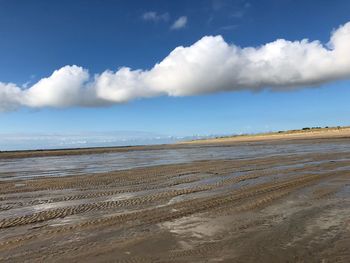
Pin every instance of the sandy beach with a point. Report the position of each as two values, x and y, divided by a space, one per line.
322 133
164 131
254 201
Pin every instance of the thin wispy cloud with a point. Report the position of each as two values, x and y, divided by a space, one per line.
229 27
210 65
237 14
218 5
226 14
155 17
181 22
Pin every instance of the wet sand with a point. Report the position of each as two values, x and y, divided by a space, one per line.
287 205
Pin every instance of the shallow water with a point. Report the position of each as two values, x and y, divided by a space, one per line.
24 168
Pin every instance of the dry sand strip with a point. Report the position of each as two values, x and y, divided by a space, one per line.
318 133
291 208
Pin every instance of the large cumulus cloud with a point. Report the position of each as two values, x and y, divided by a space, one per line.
209 65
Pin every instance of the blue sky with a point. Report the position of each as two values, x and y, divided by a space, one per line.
38 37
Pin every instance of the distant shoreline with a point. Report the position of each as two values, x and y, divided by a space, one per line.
304 134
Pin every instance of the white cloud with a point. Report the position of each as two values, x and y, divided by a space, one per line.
155 17
180 23
10 96
62 88
209 65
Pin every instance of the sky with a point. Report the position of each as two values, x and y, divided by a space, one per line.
171 68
